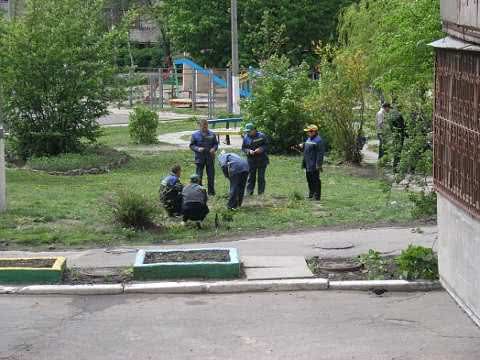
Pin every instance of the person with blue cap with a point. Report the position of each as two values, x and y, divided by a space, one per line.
255 146
171 192
313 153
204 144
236 171
195 199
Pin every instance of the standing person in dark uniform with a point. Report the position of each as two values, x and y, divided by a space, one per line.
236 170
255 147
313 152
171 192
397 127
204 144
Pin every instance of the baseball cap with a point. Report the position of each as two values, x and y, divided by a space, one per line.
248 127
311 128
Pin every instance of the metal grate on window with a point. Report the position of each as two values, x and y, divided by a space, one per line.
456 127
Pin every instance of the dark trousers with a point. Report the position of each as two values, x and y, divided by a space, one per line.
252 178
314 184
381 150
173 204
210 165
194 211
238 183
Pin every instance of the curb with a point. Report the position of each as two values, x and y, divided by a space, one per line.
108 289
389 285
223 287
166 288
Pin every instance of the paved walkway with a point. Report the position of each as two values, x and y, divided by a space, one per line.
302 325
357 241
180 139
119 117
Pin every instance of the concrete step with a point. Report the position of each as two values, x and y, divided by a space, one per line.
276 267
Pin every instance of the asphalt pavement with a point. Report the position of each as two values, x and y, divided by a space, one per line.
300 325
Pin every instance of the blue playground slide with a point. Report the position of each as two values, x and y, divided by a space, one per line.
216 79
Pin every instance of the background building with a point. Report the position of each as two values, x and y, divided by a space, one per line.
457 152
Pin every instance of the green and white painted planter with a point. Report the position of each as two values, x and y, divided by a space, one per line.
33 275
187 270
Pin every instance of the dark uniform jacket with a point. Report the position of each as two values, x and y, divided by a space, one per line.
232 164
170 190
259 141
313 152
207 141
194 193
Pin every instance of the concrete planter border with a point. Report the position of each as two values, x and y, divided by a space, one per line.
22 275
222 287
187 270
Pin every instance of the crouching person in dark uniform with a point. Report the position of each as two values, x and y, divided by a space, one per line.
236 170
194 201
313 152
171 192
204 144
255 147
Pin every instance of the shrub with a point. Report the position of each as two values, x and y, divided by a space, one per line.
277 105
336 98
133 210
143 124
418 262
375 265
424 204
57 75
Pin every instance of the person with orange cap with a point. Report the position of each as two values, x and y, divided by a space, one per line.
313 153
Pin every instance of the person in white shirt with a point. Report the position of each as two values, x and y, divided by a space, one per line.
380 127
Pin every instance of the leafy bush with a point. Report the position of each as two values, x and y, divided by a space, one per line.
418 262
91 157
133 210
375 265
295 196
277 105
336 97
57 74
416 154
142 125
294 199
425 204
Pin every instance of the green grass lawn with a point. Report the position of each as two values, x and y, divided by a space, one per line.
118 136
64 211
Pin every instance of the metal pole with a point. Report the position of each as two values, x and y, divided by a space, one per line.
235 66
229 91
130 89
3 184
194 90
152 91
209 100
160 87
213 95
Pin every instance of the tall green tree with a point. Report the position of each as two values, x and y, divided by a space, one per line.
56 74
202 28
394 36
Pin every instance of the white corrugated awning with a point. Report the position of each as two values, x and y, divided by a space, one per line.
454 44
